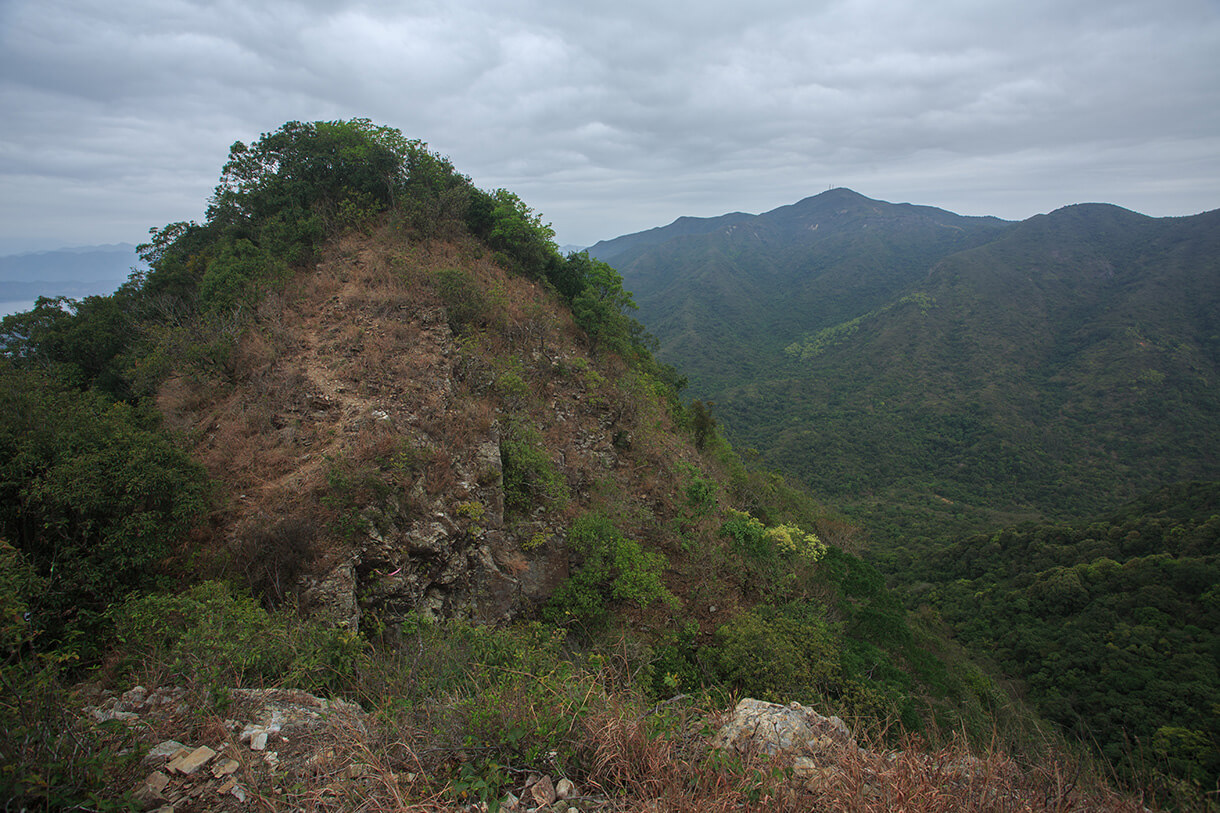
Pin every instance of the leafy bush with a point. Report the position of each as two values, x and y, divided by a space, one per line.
779 656
214 636
615 569
93 498
465 303
677 663
601 310
700 495
522 241
754 540
530 478
304 168
237 275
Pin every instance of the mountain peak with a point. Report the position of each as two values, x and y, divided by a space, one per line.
839 193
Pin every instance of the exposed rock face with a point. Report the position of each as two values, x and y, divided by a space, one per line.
437 549
792 730
820 750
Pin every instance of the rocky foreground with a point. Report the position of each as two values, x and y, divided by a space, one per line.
286 749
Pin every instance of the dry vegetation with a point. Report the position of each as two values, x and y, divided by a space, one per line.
386 345
622 755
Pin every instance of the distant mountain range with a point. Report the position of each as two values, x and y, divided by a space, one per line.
935 372
73 272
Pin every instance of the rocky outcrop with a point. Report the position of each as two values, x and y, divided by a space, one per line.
272 733
758 727
823 753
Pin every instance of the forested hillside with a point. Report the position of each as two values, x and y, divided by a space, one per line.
932 373
726 295
364 432
1112 625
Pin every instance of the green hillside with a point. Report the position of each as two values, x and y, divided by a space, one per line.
1045 368
726 295
1112 625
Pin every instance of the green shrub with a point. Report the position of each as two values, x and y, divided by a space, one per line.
513 387
700 496
779 656
530 478
465 302
754 540
238 273
748 536
93 498
676 664
212 635
614 570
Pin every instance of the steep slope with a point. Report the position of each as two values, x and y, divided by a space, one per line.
723 294
369 449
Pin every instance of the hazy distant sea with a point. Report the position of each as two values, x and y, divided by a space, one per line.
15 306
72 272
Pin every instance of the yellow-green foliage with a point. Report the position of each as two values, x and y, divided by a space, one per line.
473 511
751 538
792 541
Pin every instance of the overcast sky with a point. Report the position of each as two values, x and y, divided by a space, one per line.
613 117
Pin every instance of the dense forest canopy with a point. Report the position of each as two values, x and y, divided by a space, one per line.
1113 625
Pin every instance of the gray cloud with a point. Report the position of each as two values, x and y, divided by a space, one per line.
620 117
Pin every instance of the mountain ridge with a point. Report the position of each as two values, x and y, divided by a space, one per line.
821 202
1055 324
365 432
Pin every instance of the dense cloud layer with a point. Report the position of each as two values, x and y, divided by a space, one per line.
118 116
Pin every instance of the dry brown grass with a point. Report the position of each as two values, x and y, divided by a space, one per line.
641 769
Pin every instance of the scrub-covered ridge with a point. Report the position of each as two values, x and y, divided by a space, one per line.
363 472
